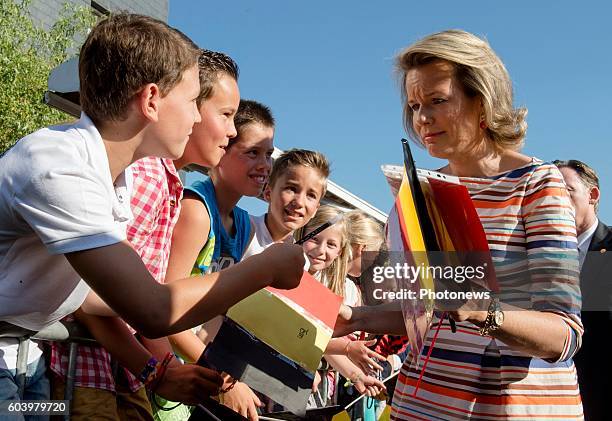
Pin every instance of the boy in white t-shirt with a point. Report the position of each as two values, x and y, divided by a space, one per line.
63 205
297 183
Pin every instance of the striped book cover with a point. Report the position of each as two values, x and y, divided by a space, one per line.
274 340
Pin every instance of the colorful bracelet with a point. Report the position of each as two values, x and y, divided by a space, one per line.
148 369
160 372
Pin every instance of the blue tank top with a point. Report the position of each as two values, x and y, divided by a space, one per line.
221 249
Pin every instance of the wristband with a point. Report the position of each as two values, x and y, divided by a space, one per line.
160 372
147 370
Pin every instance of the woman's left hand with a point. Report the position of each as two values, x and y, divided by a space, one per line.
477 317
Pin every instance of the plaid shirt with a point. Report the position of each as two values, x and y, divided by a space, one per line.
155 202
391 344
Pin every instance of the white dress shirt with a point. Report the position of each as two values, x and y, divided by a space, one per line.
584 241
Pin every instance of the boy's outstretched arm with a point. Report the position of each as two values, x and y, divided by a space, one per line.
119 277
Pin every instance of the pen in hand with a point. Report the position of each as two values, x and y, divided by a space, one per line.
319 229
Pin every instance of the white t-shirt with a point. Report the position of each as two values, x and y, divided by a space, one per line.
584 241
262 239
57 196
352 294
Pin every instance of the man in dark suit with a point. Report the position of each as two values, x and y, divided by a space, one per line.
592 361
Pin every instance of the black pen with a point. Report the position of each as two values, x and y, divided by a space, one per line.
319 229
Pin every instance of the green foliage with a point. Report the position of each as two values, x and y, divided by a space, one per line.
27 55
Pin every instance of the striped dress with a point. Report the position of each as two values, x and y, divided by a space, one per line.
528 219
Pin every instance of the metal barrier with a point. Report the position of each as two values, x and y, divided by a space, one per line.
62 331
75 334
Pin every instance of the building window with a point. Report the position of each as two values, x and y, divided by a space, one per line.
98 9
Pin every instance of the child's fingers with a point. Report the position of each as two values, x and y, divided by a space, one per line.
380 384
374 365
252 412
256 401
368 365
361 388
374 354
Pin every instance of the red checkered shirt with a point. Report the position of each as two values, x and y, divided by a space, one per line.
155 203
391 344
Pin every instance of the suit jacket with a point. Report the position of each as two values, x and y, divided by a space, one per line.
593 359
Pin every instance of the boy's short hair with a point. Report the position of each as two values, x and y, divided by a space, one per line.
212 64
124 52
251 112
303 157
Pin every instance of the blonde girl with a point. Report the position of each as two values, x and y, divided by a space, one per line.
329 253
365 235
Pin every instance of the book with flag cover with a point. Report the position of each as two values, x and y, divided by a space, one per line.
432 213
274 340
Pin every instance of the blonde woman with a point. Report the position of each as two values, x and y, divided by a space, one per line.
511 357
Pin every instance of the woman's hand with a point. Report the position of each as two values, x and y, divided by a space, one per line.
242 400
189 383
363 357
471 310
345 321
383 318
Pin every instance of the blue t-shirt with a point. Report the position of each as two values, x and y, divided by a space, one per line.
221 249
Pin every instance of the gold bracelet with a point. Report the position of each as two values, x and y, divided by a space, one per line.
350 382
357 378
348 343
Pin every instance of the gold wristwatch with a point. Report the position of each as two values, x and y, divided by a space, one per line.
494 320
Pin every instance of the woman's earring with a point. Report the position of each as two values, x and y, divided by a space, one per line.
483 125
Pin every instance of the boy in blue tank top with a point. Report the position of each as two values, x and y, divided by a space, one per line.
212 233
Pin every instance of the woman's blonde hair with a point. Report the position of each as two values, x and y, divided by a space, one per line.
364 230
334 276
481 74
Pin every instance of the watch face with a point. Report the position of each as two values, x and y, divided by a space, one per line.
499 318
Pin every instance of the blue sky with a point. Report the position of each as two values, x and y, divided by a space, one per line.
326 70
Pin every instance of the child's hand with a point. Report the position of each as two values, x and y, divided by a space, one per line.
242 400
363 357
369 385
285 262
316 382
189 383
